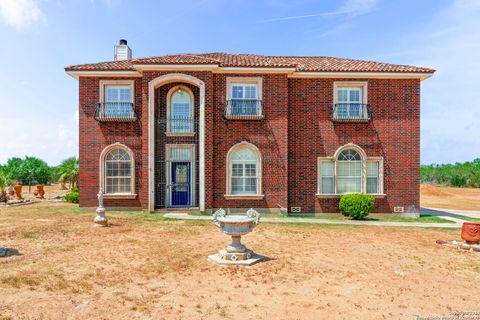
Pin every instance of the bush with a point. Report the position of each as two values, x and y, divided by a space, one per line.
73 196
356 205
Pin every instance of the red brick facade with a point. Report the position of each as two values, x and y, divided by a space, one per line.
296 130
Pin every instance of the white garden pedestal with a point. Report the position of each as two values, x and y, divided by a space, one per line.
236 226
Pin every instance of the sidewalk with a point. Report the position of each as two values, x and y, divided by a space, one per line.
447 214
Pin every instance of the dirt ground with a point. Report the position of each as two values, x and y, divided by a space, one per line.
143 267
450 198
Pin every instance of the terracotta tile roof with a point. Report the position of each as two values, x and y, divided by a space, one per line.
301 64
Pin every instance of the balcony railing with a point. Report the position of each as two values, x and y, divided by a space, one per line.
351 112
180 125
115 111
244 109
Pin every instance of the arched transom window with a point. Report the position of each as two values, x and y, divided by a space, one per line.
118 171
350 171
181 107
244 165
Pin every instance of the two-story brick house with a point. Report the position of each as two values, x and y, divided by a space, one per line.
212 130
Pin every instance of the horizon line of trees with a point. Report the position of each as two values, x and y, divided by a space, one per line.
464 175
32 170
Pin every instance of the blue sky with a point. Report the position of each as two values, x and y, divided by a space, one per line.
38 38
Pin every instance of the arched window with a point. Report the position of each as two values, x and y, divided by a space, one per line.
180 110
244 170
117 174
349 172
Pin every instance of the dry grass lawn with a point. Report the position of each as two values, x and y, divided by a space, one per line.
450 198
143 267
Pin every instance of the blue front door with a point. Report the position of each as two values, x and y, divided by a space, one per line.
180 184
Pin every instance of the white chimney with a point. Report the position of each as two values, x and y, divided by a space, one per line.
122 51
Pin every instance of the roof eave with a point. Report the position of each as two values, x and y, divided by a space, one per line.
103 73
381 75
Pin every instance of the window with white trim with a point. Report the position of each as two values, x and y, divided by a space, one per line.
244 97
244 173
116 99
180 110
118 172
350 99
327 168
373 167
118 93
350 172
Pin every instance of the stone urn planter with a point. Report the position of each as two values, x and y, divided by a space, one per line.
10 191
39 192
236 226
18 191
471 232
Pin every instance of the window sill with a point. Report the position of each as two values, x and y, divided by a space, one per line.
333 196
120 196
244 196
179 134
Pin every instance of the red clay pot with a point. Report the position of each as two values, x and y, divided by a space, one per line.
18 191
471 232
39 192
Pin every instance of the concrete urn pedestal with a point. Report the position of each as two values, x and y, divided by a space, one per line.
101 219
236 226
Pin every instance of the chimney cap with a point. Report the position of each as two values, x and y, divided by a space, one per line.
122 42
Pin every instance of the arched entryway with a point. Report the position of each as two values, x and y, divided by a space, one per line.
176 141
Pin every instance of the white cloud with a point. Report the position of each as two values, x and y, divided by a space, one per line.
20 13
350 8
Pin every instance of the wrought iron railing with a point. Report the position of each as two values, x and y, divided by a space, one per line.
244 109
179 124
115 111
351 112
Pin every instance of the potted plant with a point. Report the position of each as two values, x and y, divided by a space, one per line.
3 187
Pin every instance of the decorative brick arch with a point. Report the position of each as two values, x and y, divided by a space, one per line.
152 85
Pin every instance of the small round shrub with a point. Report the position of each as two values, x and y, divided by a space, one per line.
73 196
356 205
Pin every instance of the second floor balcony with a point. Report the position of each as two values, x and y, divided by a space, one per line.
351 112
115 111
243 109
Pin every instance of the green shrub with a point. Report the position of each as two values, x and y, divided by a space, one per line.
356 205
73 196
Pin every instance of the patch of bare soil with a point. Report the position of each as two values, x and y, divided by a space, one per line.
449 197
139 269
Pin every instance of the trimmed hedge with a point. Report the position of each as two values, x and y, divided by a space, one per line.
73 196
356 205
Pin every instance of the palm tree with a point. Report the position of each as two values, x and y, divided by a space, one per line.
68 171
4 182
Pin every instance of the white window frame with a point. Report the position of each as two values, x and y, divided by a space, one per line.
168 157
257 81
254 196
170 93
104 83
363 85
364 160
103 155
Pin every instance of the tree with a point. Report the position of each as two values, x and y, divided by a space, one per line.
68 172
29 170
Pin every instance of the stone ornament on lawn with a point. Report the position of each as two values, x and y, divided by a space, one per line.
236 226
101 219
